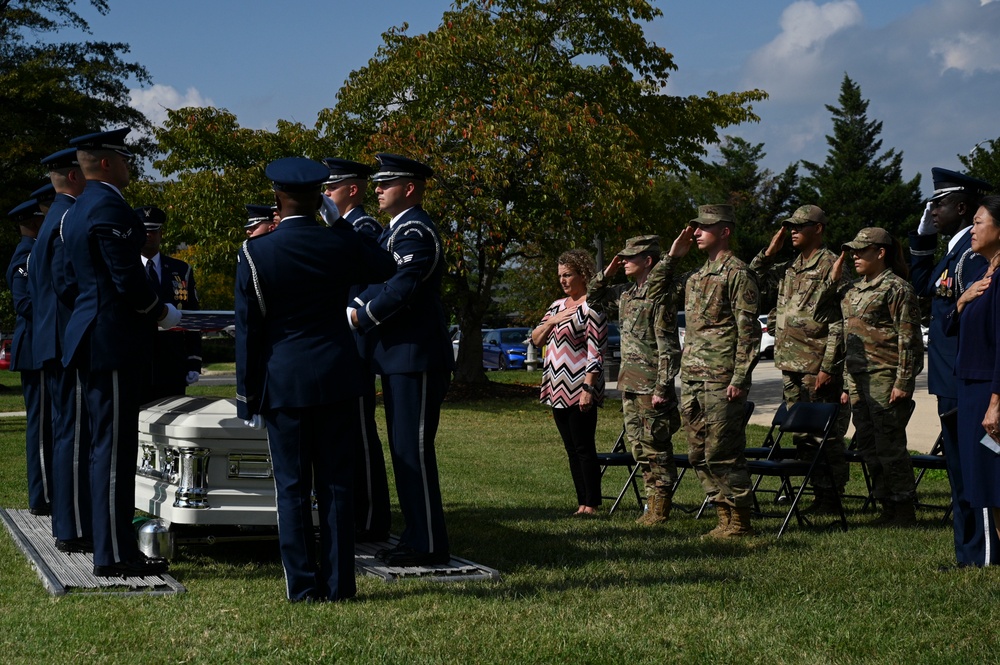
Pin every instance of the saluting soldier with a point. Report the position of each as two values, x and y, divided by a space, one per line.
108 337
346 187
175 362
949 212
298 370
407 340
38 434
809 353
651 352
71 514
721 348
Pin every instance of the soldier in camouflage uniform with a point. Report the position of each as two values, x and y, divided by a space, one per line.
884 355
809 354
721 348
651 351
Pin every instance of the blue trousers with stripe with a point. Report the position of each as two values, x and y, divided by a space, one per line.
371 485
71 514
412 411
38 438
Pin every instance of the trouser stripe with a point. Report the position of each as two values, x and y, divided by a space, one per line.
423 462
368 464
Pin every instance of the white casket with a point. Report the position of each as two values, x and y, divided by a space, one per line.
198 464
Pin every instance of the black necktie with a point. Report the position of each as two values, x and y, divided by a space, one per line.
154 279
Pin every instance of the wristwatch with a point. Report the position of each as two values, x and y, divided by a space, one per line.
587 388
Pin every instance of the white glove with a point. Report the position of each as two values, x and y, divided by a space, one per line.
192 377
927 227
172 318
329 211
255 422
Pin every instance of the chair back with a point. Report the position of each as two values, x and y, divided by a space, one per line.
815 418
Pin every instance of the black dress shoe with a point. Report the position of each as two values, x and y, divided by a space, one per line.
141 567
407 556
371 536
41 511
73 545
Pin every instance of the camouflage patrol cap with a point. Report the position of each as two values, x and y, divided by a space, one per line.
873 235
806 215
713 214
641 245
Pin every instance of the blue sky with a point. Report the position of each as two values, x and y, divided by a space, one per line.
930 68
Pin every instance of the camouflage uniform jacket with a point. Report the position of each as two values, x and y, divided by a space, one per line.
801 342
722 335
882 328
650 347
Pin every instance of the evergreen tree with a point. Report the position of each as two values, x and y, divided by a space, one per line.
983 162
857 186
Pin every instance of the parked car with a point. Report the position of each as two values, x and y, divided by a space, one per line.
505 348
614 343
766 338
681 324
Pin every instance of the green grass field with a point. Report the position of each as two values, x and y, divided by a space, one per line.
573 591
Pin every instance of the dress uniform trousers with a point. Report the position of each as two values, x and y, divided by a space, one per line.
112 401
71 506
412 411
371 486
314 444
38 438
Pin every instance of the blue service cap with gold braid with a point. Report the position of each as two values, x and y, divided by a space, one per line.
948 182
258 215
24 212
296 174
62 159
110 140
151 217
392 166
45 194
345 169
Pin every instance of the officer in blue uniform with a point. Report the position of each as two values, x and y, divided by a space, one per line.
108 336
38 436
260 220
297 369
949 212
175 362
407 341
346 187
71 516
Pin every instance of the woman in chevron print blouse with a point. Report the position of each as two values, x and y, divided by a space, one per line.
573 376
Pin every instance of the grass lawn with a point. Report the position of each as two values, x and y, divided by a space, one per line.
577 591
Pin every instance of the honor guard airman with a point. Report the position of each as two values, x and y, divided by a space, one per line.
407 340
260 220
108 337
949 213
71 514
297 370
346 187
38 436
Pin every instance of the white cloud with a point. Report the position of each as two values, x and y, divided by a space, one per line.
968 52
153 102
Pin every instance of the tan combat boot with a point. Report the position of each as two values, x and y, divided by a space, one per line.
658 511
725 513
906 514
739 524
888 515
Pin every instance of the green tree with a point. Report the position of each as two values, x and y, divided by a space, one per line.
546 122
856 186
983 162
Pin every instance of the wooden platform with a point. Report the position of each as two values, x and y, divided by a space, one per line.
63 573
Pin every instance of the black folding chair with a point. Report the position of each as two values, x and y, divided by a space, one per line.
683 463
934 460
620 456
853 455
818 420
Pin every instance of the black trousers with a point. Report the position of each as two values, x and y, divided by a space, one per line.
578 431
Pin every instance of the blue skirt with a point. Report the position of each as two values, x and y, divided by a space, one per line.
980 465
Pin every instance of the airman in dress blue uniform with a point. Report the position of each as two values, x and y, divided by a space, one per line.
949 212
71 514
297 369
260 220
407 341
176 359
346 187
108 336
38 435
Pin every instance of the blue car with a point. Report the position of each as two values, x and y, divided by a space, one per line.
505 348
